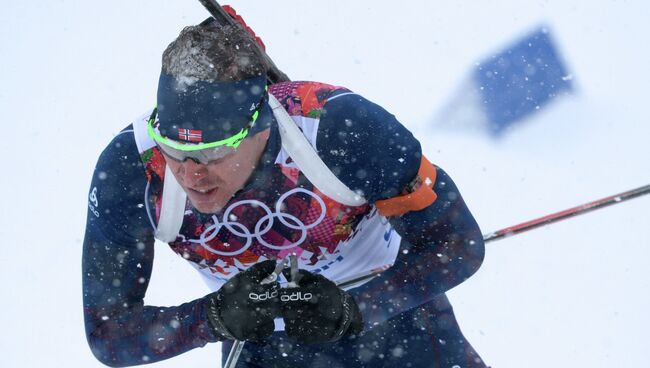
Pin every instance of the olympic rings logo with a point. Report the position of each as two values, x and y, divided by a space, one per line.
263 225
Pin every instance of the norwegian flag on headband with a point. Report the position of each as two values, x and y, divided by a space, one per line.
190 135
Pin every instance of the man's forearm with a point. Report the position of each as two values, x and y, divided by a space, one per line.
442 246
416 278
127 336
120 329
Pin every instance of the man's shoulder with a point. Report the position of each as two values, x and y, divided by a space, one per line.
351 119
306 98
304 87
370 150
132 138
121 143
124 152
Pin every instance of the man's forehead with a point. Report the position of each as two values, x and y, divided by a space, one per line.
207 111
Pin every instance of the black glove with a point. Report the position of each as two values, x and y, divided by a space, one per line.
318 311
244 309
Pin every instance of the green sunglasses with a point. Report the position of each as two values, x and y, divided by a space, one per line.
200 152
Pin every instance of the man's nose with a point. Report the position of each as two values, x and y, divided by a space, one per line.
193 171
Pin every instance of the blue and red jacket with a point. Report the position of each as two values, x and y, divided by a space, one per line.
363 145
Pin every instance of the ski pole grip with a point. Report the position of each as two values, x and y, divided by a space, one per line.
233 14
274 74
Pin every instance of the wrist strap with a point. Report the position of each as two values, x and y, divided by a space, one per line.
214 317
348 315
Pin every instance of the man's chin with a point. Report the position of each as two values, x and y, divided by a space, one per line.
206 207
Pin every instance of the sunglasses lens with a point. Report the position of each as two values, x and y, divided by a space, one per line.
215 153
170 152
203 156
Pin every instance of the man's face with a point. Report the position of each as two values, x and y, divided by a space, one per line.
209 187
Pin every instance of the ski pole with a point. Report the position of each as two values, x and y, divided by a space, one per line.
235 351
562 215
529 225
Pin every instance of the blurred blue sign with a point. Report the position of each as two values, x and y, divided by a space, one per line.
520 80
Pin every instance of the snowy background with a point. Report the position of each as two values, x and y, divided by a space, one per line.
73 73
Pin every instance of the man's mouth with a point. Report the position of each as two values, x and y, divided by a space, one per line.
202 192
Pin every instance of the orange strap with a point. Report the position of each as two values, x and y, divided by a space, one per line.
421 197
